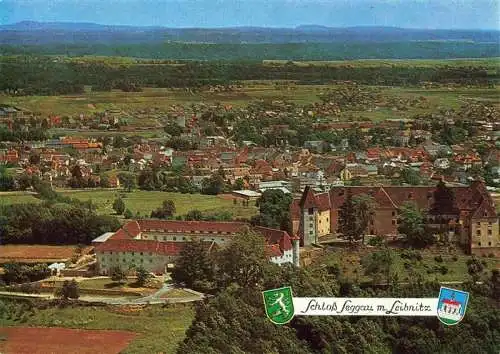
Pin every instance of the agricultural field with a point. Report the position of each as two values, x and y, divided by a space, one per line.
143 202
157 329
161 98
62 340
350 266
36 253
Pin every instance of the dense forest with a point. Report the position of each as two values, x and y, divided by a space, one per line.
261 51
28 75
233 320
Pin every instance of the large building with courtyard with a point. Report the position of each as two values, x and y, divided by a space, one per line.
471 222
156 244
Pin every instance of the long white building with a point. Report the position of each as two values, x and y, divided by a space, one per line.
153 244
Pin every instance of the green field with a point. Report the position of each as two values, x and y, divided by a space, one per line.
489 63
91 102
159 329
177 293
350 267
162 99
144 202
9 198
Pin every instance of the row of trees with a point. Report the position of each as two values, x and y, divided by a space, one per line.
56 220
173 181
21 273
19 135
57 223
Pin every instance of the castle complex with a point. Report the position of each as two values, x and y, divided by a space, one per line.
153 244
472 221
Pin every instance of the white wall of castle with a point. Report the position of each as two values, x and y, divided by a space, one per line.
150 261
287 257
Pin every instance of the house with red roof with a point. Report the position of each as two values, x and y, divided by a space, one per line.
154 243
11 156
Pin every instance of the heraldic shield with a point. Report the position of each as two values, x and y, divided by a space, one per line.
278 304
452 305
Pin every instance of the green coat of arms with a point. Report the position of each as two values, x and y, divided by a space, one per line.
278 304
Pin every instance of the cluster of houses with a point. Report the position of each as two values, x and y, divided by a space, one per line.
316 163
250 164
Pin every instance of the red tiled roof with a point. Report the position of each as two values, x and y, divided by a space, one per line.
188 226
156 247
277 241
121 235
261 167
275 237
485 210
132 228
373 153
473 198
323 201
295 209
308 199
273 251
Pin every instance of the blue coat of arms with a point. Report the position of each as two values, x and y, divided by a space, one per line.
452 304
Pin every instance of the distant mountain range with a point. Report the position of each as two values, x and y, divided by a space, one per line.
40 33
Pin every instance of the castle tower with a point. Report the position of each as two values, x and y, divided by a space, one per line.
309 214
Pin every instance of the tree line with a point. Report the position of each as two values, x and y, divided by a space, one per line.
57 220
31 75
341 50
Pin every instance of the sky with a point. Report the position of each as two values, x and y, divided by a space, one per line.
431 14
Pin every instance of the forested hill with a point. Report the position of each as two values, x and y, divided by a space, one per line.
31 33
246 43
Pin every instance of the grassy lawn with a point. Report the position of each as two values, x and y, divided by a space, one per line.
177 293
144 202
17 198
350 267
107 283
159 329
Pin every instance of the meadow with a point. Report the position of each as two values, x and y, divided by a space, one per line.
9 198
143 202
